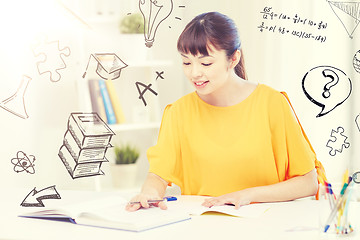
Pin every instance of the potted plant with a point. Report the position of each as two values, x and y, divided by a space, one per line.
132 38
132 24
124 169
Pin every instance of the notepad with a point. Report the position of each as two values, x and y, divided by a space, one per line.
110 213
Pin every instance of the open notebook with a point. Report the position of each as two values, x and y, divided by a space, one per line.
110 212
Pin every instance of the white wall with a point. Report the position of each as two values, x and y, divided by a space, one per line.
280 61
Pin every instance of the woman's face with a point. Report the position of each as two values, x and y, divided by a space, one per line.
207 73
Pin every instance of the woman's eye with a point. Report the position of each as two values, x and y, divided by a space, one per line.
186 63
206 64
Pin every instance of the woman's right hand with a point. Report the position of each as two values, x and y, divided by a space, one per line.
142 202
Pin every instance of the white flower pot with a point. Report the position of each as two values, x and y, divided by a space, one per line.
123 175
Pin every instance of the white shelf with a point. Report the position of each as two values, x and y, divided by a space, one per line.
134 126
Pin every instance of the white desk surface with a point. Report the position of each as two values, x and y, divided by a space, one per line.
289 220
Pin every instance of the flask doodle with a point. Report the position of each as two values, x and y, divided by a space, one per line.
327 87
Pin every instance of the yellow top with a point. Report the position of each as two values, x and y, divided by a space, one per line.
209 150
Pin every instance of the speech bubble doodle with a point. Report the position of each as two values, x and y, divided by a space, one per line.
327 87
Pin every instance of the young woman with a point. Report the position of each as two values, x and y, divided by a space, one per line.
231 139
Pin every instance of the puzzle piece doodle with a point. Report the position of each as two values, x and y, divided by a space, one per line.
52 58
337 141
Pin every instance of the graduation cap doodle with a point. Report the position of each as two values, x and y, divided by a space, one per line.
109 65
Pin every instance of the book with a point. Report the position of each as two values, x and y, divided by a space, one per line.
109 212
97 104
110 114
115 101
92 154
192 205
89 130
80 169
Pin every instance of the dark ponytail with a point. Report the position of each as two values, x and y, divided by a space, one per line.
216 29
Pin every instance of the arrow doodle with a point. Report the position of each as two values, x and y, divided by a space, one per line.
34 198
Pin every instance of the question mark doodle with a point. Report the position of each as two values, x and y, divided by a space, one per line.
319 81
328 73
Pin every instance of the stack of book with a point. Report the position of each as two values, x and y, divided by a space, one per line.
85 143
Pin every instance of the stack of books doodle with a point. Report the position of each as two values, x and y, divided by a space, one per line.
85 143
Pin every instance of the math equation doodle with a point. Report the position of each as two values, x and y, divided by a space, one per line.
296 26
348 14
327 87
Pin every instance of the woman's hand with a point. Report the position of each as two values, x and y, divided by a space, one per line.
144 202
238 199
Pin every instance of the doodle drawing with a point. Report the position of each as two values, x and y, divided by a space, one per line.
23 163
337 141
154 13
357 122
15 104
356 61
356 177
348 13
148 87
84 145
109 65
159 75
52 58
327 87
34 198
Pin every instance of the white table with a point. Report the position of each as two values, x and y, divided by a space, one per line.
288 220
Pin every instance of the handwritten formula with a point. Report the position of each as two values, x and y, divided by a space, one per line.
279 23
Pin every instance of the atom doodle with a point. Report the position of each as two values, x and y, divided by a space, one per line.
23 163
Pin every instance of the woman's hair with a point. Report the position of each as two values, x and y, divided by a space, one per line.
212 28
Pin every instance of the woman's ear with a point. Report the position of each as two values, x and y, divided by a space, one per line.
235 58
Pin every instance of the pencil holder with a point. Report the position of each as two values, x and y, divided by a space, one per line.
335 210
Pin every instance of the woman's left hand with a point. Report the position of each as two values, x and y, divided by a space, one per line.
238 199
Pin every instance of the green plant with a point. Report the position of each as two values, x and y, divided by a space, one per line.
133 23
126 154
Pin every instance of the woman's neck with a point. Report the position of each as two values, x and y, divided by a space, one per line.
232 93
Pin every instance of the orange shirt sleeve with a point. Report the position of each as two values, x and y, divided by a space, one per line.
289 140
164 157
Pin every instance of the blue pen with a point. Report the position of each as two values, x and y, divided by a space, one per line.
167 199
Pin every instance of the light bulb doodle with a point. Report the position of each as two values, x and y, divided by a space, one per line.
178 18
52 58
337 141
23 163
148 87
35 197
327 87
109 65
15 104
154 13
